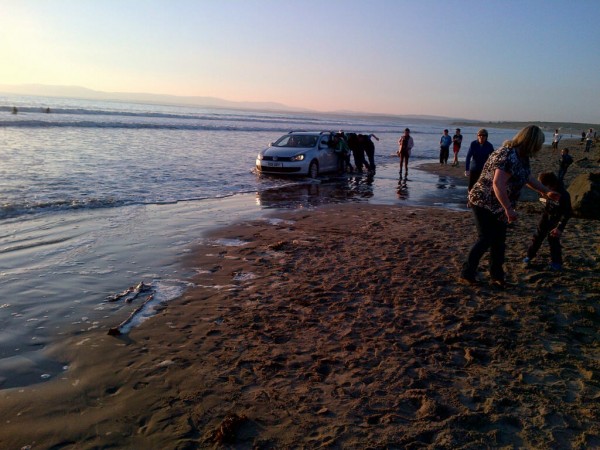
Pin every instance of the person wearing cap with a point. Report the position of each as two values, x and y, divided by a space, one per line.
405 145
478 153
456 143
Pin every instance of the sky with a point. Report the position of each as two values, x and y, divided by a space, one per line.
513 60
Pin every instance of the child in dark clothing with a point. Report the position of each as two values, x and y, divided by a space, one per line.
564 162
552 223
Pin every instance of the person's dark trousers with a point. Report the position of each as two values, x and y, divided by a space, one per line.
348 163
444 153
473 177
491 233
371 156
359 159
561 174
341 162
543 230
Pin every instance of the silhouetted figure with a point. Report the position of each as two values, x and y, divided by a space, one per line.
405 145
370 151
564 162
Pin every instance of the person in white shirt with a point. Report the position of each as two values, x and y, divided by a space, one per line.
589 139
556 139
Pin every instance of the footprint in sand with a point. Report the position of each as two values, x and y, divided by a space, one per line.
536 277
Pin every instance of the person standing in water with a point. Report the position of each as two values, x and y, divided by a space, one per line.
456 143
445 142
370 150
405 145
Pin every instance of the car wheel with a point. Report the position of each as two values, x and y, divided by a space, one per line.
313 169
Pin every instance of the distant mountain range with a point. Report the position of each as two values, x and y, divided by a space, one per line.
79 92
85 93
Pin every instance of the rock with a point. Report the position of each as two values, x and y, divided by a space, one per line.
585 195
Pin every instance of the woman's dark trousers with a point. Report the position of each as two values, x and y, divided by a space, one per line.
491 233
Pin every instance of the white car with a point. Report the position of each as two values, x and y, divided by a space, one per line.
299 153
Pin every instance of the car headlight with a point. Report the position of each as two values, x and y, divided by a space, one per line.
297 157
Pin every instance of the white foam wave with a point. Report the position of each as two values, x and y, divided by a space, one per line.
228 242
164 291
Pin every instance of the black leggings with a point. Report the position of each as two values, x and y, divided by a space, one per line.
491 232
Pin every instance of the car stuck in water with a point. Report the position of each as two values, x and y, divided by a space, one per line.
305 153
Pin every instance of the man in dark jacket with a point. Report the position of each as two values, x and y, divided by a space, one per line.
563 163
478 153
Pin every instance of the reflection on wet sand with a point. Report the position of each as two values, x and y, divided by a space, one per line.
425 188
361 186
402 189
314 193
445 183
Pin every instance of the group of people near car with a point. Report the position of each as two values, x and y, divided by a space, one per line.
360 146
496 178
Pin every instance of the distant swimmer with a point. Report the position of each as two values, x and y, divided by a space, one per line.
15 110
47 110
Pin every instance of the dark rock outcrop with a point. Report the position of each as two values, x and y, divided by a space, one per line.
585 195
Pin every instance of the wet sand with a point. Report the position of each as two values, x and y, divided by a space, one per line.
342 327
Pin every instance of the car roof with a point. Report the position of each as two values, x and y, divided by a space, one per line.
310 132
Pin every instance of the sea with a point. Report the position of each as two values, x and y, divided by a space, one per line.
97 197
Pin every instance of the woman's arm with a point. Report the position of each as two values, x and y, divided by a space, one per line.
499 185
534 184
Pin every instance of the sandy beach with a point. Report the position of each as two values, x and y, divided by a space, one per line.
344 327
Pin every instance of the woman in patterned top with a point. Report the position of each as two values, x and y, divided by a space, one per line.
493 199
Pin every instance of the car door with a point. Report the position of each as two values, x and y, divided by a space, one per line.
327 156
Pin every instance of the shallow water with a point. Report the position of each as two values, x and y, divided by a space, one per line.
57 270
97 197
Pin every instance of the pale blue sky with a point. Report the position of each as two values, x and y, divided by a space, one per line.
476 59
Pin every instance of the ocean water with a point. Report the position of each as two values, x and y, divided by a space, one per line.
96 197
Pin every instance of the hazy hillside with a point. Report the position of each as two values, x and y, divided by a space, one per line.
161 99
81 92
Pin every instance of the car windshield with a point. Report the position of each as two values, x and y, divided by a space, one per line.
294 140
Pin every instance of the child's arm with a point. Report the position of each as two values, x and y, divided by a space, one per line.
566 213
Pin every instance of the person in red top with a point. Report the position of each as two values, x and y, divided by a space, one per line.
456 143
